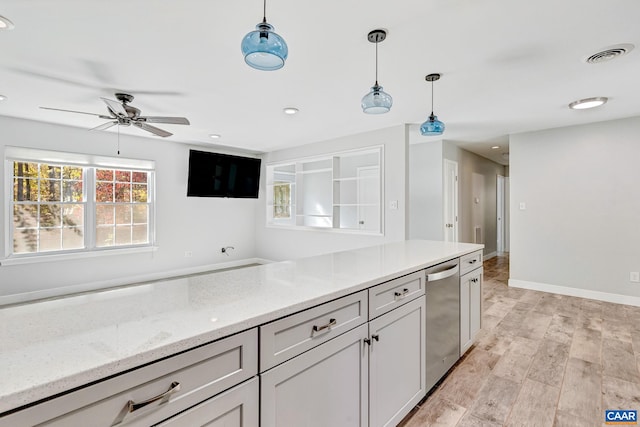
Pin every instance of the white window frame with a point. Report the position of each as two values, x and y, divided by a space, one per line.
90 163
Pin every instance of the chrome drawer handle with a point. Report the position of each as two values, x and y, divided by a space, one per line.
404 292
473 261
132 406
331 323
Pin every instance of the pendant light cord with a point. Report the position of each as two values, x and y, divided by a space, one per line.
264 12
432 97
118 139
376 63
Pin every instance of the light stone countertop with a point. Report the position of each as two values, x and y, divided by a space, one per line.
53 346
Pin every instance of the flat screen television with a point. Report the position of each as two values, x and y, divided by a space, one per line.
222 175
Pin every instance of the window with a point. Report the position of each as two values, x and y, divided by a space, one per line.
122 207
73 203
340 191
281 200
48 207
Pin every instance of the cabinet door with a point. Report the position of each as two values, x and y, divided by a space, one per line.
465 310
397 363
237 407
475 300
470 308
326 386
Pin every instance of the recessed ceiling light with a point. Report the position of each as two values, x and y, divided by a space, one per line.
3 98
5 24
290 110
214 136
495 147
583 104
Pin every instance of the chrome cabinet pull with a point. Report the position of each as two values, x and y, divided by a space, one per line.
331 323
132 406
404 292
473 261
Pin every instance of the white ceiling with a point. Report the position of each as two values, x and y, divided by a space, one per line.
508 66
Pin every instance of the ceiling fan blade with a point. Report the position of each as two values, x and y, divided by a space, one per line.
115 107
168 120
73 111
105 126
152 129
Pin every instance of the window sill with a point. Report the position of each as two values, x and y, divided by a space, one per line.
20 260
324 229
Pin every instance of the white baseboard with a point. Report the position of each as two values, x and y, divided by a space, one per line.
576 292
489 256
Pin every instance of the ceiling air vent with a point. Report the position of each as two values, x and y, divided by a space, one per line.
609 53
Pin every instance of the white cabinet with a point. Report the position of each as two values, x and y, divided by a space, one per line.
326 386
372 375
237 407
285 338
470 308
152 393
397 362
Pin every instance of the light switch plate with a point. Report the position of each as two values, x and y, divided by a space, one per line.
523 206
634 277
393 204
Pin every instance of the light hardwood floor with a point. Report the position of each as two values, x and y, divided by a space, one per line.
540 360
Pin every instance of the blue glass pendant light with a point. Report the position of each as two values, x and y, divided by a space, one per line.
376 101
262 48
432 126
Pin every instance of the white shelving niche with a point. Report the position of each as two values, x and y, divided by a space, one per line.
338 192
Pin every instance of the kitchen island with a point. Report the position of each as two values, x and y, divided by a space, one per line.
53 347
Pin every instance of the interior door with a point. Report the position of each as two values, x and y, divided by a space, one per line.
450 171
500 213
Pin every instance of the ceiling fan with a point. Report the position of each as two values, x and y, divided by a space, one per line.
123 114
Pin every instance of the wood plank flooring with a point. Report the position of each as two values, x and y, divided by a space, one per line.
540 360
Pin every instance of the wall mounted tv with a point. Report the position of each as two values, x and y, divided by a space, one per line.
222 175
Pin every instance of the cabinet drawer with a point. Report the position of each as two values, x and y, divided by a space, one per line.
285 338
394 293
201 373
237 407
470 262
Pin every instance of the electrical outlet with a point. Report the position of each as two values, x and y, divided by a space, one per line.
634 277
393 204
188 254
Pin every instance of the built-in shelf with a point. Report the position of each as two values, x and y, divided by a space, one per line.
347 185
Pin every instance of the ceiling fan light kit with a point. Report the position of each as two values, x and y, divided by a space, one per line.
377 101
263 48
432 126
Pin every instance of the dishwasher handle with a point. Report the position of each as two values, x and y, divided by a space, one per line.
442 274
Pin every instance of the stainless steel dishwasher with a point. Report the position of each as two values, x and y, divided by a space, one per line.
443 319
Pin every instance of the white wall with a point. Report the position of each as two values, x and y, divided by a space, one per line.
426 220
477 180
281 244
199 225
581 226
